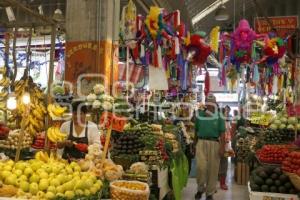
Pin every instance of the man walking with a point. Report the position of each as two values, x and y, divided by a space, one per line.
210 144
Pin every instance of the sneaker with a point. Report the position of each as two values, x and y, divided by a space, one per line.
210 197
198 195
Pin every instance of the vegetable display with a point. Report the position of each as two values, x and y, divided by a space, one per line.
291 163
274 154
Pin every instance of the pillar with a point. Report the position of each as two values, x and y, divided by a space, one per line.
91 42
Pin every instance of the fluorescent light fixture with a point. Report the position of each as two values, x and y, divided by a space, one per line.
10 14
207 11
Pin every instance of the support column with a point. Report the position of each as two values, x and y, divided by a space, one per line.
92 27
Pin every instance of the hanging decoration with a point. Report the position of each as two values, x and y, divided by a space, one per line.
198 50
214 39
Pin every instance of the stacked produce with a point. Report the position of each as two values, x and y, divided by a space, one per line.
13 140
138 171
48 178
279 136
129 190
274 154
56 111
271 179
54 134
291 163
99 99
34 122
282 121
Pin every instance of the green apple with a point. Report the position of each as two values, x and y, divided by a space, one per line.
40 194
24 185
50 195
79 192
44 184
23 177
61 178
35 166
73 164
60 189
28 171
93 190
69 186
55 182
89 183
5 174
87 192
48 169
34 178
44 175
10 163
34 188
18 172
7 168
39 171
80 185
60 195
69 177
20 166
11 180
56 170
51 189
69 194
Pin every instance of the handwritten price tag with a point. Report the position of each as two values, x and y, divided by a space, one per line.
109 119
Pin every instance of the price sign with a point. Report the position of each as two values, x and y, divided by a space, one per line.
109 119
260 119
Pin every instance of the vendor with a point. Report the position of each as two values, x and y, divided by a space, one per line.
80 133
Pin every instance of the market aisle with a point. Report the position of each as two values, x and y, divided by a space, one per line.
235 192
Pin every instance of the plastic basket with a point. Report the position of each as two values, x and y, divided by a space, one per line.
123 193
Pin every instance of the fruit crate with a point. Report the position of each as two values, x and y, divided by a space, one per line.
268 195
242 173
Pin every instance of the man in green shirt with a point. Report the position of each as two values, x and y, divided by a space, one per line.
210 144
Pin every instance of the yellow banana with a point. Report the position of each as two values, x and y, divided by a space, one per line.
3 94
4 81
58 110
33 122
31 129
38 114
51 136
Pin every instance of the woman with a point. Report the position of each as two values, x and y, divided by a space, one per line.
80 133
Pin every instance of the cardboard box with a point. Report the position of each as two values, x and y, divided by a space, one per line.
242 173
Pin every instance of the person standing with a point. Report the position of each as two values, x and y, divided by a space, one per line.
210 144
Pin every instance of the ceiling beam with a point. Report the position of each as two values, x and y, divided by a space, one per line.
143 5
30 12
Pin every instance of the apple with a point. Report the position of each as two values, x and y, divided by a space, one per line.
50 195
56 170
69 177
10 163
79 192
35 166
69 194
61 178
24 185
60 189
34 178
48 169
28 171
80 185
7 168
69 186
20 166
39 171
34 188
93 190
44 184
23 177
40 194
44 175
73 164
11 180
51 189
77 169
60 195
5 174
55 182
18 172
89 183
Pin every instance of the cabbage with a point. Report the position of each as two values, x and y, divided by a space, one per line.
282 126
273 126
291 127
292 120
283 120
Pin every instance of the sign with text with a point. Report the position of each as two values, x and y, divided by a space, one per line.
109 119
284 25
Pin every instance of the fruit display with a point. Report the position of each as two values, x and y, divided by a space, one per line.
4 131
54 134
4 84
39 142
274 154
291 163
271 179
138 171
279 136
56 111
34 122
128 144
282 121
245 147
12 140
129 190
47 177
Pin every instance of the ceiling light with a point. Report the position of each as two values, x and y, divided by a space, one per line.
221 13
41 11
207 11
58 15
10 14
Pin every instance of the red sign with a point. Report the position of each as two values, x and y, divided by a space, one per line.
109 119
284 25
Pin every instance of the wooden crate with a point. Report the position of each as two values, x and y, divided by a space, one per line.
242 173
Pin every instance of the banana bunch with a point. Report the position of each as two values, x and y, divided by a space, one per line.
56 111
34 122
42 156
54 135
4 82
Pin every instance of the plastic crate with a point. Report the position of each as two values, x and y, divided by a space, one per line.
271 196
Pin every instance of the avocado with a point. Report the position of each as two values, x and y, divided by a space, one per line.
269 182
255 187
288 185
282 189
273 189
277 170
283 178
258 180
278 183
263 175
269 169
265 188
274 176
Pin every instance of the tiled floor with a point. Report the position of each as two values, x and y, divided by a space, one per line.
235 192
